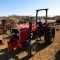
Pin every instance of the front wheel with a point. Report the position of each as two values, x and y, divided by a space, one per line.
32 48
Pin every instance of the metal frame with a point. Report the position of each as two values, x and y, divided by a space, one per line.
41 10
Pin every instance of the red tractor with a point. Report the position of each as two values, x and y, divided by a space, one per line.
28 33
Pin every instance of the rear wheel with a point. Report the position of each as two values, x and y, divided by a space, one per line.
32 48
49 34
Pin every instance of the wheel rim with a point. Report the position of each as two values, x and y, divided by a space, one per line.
33 49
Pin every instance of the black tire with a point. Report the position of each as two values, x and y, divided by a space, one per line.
32 48
49 34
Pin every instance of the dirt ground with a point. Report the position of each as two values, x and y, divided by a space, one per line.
45 52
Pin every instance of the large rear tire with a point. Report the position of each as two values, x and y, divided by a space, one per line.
49 34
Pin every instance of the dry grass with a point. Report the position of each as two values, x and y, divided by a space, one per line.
45 52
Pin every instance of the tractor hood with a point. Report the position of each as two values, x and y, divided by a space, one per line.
25 26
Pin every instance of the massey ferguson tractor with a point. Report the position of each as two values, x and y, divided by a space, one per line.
29 32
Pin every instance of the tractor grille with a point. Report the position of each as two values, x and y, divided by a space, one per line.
15 33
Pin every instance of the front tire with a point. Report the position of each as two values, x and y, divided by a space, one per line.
32 48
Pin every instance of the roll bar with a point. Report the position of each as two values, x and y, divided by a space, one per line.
41 10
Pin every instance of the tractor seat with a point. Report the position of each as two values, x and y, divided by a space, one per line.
39 25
